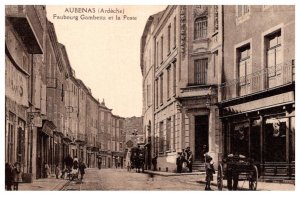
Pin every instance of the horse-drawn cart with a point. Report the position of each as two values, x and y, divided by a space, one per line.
236 168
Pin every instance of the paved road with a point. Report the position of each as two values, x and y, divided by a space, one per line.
120 179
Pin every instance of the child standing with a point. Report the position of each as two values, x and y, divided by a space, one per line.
210 170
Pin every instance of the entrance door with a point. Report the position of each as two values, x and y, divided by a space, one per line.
201 136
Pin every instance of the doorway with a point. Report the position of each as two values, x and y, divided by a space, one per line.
201 136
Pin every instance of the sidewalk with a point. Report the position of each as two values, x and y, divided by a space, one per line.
243 185
45 184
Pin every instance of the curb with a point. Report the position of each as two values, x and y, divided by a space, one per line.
171 174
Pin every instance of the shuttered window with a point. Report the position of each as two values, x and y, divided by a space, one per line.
201 71
200 27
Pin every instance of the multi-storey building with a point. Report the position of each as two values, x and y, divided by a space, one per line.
49 113
186 45
257 100
117 153
91 129
25 29
103 137
147 68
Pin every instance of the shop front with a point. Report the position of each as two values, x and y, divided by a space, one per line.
267 135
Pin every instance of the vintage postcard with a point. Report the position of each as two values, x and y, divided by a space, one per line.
149 97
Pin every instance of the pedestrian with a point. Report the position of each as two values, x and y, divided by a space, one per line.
210 170
179 162
8 176
189 159
57 171
46 170
82 168
17 175
154 163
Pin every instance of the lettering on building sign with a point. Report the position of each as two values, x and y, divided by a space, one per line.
183 30
16 84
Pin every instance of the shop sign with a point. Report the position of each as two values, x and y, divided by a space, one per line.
15 84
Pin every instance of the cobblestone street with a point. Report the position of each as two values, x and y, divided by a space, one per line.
120 179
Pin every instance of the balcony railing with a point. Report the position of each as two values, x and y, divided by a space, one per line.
262 80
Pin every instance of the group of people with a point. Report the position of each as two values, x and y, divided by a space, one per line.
73 168
184 159
13 176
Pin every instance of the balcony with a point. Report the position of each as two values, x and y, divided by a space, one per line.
27 24
80 138
198 90
265 80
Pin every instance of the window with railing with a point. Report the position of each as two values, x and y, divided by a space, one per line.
200 71
274 59
200 27
244 64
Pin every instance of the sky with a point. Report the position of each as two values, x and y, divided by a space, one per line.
105 54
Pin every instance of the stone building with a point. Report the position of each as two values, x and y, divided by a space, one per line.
185 62
25 30
49 112
257 100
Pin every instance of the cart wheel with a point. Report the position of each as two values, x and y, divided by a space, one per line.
253 179
220 177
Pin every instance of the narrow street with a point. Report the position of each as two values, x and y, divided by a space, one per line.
120 179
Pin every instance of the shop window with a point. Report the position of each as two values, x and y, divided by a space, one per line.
275 140
10 138
21 141
240 139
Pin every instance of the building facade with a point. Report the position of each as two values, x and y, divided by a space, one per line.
185 61
49 112
257 100
224 78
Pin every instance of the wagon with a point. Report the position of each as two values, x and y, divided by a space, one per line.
237 167
137 158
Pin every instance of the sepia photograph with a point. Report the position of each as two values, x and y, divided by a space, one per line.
171 97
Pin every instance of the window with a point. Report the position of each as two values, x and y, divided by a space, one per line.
161 88
244 69
157 60
174 78
62 92
174 133
161 49
216 62
200 27
156 93
168 134
274 58
148 95
174 37
168 81
242 13
243 10
161 137
201 71
169 38
10 138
